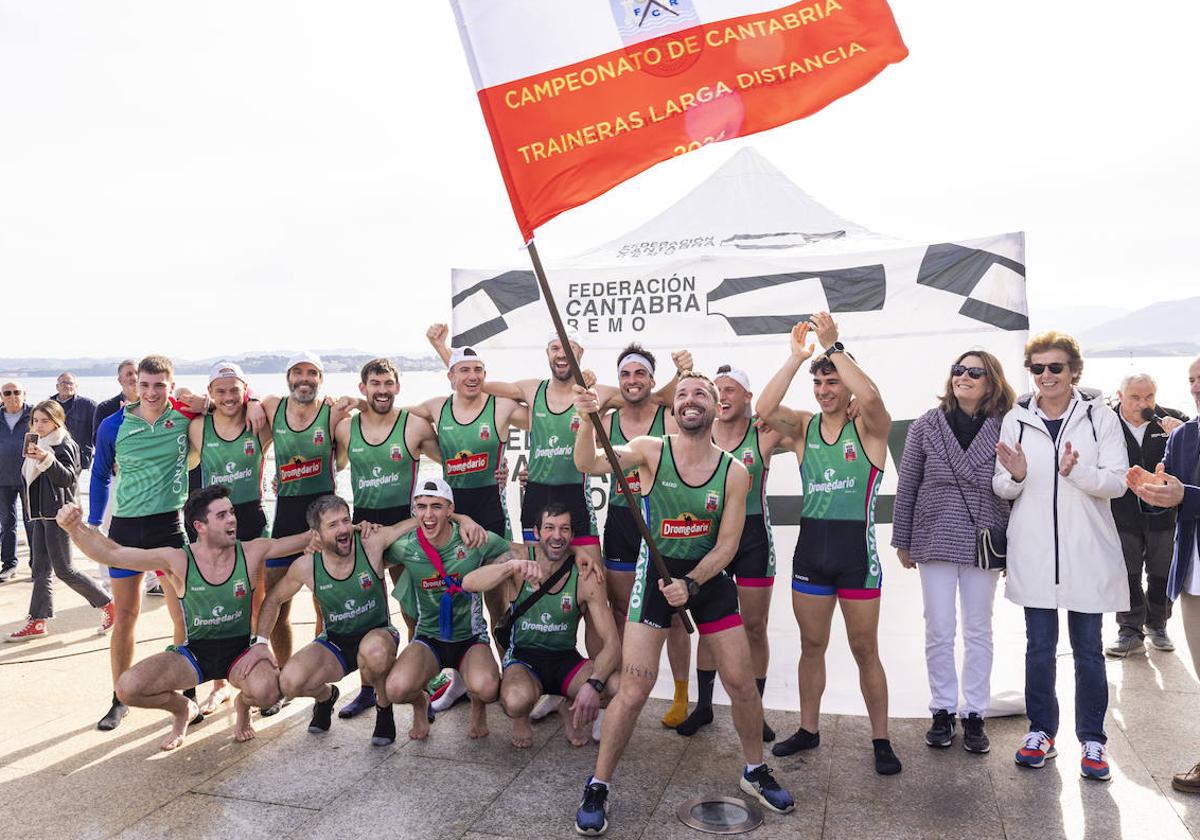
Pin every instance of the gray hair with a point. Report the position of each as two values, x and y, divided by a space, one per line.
322 505
1137 377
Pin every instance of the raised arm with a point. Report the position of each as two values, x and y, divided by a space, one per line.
100 548
874 415
437 335
421 432
587 459
522 391
769 405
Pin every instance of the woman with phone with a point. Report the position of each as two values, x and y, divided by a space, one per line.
50 474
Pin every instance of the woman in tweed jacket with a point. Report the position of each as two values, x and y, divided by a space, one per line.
944 495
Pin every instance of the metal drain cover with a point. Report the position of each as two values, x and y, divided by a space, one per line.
719 815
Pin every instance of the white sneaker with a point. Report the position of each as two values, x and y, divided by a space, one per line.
456 689
596 726
547 706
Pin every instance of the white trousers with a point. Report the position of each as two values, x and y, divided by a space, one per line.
975 589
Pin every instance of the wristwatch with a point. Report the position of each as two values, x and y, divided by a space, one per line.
693 588
259 640
598 685
836 347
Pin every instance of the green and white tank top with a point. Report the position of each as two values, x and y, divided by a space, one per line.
236 464
552 442
304 457
471 450
838 480
618 437
381 474
749 453
353 604
684 519
217 610
552 622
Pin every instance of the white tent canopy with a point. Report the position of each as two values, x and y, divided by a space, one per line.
725 272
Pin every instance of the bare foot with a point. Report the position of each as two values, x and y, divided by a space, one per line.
478 727
420 721
575 737
179 727
522 733
221 691
242 728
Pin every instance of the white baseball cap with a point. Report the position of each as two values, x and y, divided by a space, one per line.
305 356
433 487
222 370
738 376
465 354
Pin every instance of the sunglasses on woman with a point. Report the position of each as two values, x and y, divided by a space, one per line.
1055 368
973 372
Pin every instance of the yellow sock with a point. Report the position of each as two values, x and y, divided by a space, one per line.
677 714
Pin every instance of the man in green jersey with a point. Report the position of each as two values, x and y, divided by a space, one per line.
346 577
451 631
753 567
694 501
640 411
216 576
302 427
230 453
836 562
383 445
542 655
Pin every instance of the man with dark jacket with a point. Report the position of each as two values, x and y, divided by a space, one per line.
81 417
127 377
12 454
1147 534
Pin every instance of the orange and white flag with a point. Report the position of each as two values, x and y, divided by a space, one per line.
579 95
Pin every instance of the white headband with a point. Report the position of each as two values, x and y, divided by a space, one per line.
636 359
572 336
738 376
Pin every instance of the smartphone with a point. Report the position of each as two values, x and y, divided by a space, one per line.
31 439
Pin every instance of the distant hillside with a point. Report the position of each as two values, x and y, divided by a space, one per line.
273 362
1168 328
1074 321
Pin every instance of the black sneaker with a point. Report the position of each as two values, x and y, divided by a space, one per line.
385 726
941 733
975 740
886 762
7 573
116 713
802 740
323 712
592 815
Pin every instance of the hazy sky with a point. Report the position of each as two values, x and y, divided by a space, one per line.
228 177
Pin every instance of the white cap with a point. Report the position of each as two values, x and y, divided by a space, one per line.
222 370
305 356
465 354
433 487
572 336
738 376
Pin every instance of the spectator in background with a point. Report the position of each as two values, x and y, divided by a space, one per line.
1178 485
127 378
944 496
50 478
1061 461
1146 535
12 454
81 417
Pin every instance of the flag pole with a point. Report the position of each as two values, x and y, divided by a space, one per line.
618 473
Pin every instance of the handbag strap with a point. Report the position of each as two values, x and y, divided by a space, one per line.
954 475
520 609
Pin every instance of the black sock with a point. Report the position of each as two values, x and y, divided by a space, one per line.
768 732
323 712
385 726
704 687
761 682
801 740
190 693
115 701
886 762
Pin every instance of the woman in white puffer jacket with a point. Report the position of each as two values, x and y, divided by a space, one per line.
1061 459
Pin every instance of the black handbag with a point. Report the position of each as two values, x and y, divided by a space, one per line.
502 630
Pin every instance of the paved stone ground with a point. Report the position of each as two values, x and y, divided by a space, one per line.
60 778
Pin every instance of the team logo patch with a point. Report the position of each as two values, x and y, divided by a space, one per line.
685 526
849 452
460 554
396 453
168 423
566 603
634 480
485 431
239 589
711 501
465 462
318 436
249 448
575 421
364 581
436 584
748 457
